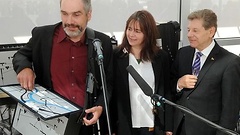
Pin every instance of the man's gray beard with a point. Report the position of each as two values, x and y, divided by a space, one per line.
72 34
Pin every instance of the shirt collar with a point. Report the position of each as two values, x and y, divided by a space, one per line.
61 35
207 50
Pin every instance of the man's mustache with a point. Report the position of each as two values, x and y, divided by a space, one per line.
73 25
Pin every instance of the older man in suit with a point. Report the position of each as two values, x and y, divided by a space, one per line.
207 83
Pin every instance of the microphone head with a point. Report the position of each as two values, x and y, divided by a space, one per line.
98 48
97 42
147 90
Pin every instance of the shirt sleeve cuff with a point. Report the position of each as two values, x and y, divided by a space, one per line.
179 89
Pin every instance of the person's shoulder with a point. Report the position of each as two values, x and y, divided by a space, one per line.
161 53
185 48
222 51
161 57
225 55
228 54
119 52
101 34
94 34
46 27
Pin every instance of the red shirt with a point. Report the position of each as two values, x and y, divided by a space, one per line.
69 66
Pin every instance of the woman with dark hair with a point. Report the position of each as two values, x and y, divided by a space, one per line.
134 112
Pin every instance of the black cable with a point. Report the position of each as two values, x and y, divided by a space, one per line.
24 101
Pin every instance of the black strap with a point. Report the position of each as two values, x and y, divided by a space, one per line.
90 35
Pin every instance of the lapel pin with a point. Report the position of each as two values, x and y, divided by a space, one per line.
125 50
212 58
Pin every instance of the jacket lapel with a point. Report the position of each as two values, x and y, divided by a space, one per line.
46 48
208 63
123 63
186 61
156 68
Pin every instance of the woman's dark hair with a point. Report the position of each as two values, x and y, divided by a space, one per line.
150 32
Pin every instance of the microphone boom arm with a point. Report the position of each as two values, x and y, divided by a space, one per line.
158 98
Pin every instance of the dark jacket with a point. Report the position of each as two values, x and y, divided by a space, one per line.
216 93
160 64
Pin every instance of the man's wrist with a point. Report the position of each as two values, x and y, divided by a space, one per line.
179 89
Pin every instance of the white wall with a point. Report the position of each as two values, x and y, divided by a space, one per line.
18 17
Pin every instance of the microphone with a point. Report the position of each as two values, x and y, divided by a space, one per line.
147 90
98 48
158 100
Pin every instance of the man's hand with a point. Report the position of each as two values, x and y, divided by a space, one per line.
187 81
96 112
168 133
26 78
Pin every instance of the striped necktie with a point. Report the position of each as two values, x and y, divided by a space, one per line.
197 64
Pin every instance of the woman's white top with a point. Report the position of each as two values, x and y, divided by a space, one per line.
141 107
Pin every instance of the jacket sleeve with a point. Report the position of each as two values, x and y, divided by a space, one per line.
23 57
230 95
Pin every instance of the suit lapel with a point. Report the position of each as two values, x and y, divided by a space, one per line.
212 57
47 48
122 64
187 64
186 61
156 64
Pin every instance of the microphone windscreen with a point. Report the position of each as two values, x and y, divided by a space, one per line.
147 90
98 48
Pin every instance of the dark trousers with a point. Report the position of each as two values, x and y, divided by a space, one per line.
142 131
88 130
181 129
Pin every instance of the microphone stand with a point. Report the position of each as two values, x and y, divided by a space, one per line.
103 79
158 99
2 72
2 76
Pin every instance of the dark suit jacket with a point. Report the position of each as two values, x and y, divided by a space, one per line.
216 94
163 120
36 54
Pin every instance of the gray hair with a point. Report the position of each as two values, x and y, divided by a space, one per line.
87 5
